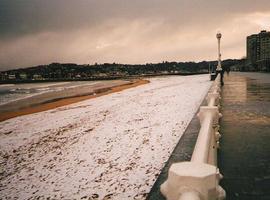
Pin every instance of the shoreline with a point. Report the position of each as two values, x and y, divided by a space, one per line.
69 100
105 78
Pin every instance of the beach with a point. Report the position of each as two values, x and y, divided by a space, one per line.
110 147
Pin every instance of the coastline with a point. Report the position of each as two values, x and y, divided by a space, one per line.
69 100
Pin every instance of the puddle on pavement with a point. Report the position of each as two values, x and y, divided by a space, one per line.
245 145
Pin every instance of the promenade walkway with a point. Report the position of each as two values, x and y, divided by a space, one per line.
244 156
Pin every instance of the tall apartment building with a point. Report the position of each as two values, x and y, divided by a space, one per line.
258 51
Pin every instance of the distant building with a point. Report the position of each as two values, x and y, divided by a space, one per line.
3 76
258 51
23 76
11 76
37 77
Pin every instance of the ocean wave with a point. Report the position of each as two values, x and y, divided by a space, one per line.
6 85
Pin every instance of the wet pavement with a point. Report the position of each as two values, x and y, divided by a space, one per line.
244 156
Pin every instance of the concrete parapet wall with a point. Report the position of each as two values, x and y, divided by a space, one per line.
199 178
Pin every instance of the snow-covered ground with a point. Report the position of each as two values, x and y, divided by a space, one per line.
110 147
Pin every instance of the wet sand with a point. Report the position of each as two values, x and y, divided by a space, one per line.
66 101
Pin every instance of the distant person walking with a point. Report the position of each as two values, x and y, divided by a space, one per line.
228 69
221 72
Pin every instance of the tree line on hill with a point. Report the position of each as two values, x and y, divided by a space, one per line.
72 71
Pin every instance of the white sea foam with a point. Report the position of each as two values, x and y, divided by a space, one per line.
6 85
25 91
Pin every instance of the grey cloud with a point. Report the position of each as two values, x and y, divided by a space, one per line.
31 16
41 31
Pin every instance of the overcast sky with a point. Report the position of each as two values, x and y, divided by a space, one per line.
34 32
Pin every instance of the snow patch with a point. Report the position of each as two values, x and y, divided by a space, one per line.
110 147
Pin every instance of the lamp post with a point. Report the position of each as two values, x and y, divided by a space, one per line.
219 68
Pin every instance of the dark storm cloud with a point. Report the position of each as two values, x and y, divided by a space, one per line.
41 31
31 16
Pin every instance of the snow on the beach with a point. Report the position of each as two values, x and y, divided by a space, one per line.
110 147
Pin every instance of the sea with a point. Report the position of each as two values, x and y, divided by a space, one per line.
16 96
15 92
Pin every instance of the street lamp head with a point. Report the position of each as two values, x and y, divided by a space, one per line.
219 35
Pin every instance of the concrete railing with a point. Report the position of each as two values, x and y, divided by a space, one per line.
199 178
